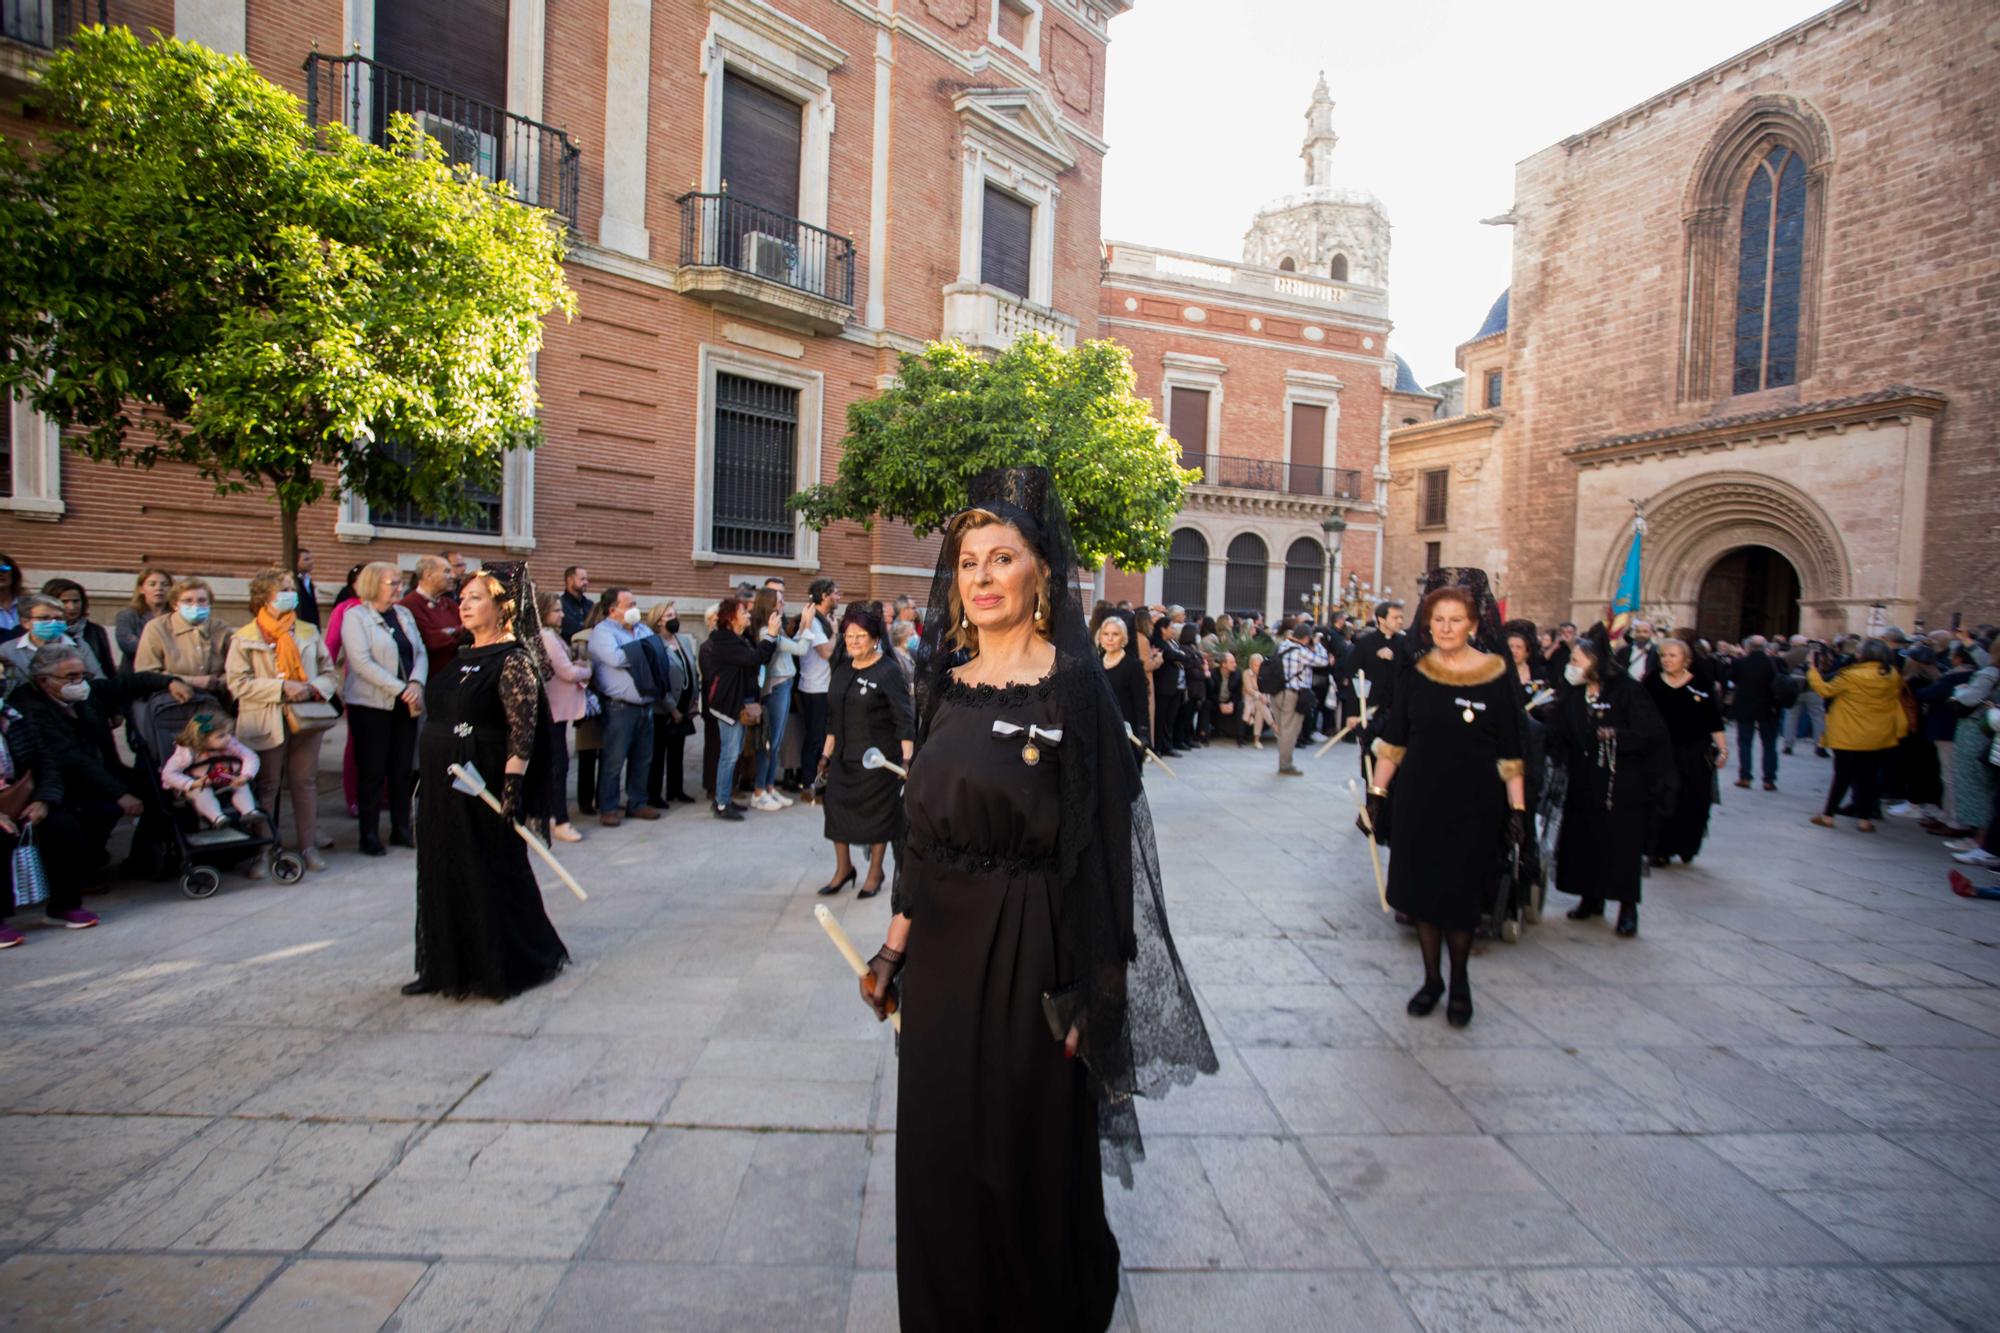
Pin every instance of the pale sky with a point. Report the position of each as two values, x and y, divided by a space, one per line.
1434 103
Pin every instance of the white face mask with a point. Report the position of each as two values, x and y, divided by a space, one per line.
632 615
76 691
1573 674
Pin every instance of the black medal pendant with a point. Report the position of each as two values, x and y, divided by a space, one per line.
1031 754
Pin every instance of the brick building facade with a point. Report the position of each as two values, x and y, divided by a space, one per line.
1760 303
770 199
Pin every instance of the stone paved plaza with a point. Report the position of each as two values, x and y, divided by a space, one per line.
1778 1109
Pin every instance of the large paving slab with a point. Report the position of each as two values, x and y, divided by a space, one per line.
1778 1108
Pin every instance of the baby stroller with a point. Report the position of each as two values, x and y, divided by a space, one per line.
204 852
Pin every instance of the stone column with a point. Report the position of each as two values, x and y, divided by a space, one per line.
627 112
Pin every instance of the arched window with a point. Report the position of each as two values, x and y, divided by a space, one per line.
1338 269
1305 565
1245 581
1185 582
1769 262
1286 265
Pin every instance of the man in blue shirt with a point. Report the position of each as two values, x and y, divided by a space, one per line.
628 697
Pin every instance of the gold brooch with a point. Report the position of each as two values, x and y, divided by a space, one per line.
1031 754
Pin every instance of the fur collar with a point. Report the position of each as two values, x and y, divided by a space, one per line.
1488 667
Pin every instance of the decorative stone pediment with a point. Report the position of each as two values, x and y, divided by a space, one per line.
1019 121
952 13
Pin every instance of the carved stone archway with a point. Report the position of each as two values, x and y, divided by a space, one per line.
1695 522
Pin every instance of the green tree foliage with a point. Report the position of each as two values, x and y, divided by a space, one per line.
193 274
910 451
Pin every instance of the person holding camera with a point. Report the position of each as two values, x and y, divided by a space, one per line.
1865 721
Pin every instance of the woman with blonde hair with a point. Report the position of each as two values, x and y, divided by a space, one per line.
286 695
387 667
187 643
152 599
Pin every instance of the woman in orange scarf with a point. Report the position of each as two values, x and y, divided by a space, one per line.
274 661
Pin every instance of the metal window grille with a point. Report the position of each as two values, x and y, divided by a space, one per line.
756 467
1185 582
1248 576
1305 565
482 520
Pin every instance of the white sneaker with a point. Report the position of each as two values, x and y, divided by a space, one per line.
784 801
1960 844
1905 810
764 802
1977 857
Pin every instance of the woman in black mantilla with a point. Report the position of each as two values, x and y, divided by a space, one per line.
868 706
1449 793
1028 872
481 929
1693 720
1608 735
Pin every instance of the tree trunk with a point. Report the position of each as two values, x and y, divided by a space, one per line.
288 535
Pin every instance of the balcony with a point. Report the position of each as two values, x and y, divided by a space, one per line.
47 23
539 162
1274 477
990 319
764 263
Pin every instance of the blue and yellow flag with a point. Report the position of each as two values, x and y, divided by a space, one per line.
1625 602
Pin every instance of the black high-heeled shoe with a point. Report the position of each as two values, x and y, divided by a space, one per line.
420 986
1458 1009
1425 1000
1585 911
1628 919
371 844
870 893
828 890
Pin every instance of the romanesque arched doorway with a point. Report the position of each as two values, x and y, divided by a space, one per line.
1749 590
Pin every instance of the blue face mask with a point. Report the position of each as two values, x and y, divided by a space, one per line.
194 615
48 631
285 603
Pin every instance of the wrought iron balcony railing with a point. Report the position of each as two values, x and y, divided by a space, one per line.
48 23
538 160
718 231
1270 474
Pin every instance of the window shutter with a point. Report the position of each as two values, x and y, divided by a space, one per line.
761 133
1308 449
457 45
1434 497
1493 386
1005 242
1189 418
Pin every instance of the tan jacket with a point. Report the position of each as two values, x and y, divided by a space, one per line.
252 667
170 644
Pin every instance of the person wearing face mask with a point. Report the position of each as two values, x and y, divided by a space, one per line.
82 629
151 600
70 711
730 692
568 691
386 669
187 643
673 716
10 599
277 663
628 688
45 624
435 611
1609 736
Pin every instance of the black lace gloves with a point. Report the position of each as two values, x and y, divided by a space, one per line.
877 987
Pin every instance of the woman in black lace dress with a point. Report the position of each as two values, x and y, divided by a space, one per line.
1041 989
481 929
868 708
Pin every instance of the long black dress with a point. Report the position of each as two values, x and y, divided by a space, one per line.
1128 687
1692 717
866 707
481 929
1621 783
1457 736
999 1193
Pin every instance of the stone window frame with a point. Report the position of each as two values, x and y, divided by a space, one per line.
1031 49
767 47
1023 158
1314 389
811 386
1185 370
1444 521
1496 388
353 522
35 444
1710 236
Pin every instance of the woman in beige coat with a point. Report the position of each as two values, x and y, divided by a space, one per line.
186 642
277 660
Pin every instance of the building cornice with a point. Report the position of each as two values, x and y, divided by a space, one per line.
1246 340
1204 499
782 30
1768 49
1205 297
1898 402
1447 430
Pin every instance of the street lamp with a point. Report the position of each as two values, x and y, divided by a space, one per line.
1335 528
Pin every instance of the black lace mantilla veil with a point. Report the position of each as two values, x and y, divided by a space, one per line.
1142 1032
1486 634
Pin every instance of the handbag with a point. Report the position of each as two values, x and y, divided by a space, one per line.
311 715
31 883
752 714
16 797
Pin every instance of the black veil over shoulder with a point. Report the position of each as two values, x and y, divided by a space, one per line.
1142 1032
1487 635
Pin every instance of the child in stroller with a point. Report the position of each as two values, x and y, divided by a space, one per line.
208 759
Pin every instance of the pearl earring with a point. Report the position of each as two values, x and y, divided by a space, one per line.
963 623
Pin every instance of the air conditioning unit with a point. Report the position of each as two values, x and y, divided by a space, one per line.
770 256
463 144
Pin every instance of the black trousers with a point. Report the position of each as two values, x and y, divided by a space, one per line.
667 782
812 712
385 743
586 781
1861 771
558 769
63 841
